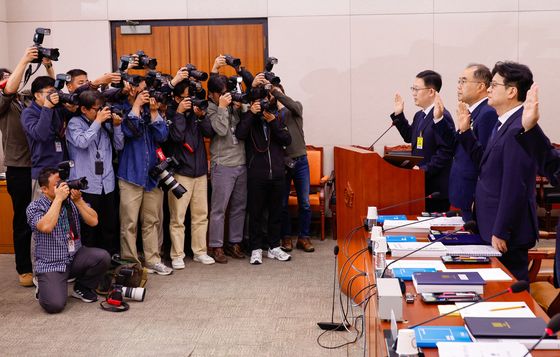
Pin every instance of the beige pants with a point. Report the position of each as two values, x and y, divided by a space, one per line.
134 201
35 190
197 198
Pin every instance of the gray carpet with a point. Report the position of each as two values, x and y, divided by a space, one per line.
220 310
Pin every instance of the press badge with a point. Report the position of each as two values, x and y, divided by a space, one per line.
419 142
58 146
71 246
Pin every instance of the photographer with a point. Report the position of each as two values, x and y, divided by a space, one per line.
228 172
297 168
59 255
90 145
79 78
18 159
44 123
188 126
265 136
143 128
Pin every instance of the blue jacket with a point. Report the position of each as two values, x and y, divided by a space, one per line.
138 156
464 172
505 199
539 147
436 151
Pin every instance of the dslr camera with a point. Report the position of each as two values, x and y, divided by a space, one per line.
121 291
232 61
232 87
144 62
68 98
166 178
50 53
268 74
64 172
195 73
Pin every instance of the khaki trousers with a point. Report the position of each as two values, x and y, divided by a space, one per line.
197 198
134 201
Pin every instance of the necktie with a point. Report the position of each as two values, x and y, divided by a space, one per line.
495 130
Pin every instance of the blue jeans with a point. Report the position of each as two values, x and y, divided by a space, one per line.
300 175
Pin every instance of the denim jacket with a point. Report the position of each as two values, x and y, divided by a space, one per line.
138 156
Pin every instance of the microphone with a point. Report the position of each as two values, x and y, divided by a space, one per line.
446 214
432 195
551 329
385 132
514 288
419 249
333 326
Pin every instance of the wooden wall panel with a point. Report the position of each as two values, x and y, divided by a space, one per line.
243 41
179 47
154 45
199 49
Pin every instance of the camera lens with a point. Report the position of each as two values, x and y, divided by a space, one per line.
137 294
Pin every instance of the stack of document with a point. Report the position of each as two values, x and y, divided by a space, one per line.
443 221
440 282
473 251
481 349
497 309
488 274
434 250
408 226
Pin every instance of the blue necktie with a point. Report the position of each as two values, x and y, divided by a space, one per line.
495 130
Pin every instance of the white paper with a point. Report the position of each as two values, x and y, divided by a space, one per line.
413 226
484 309
405 263
444 221
488 274
481 349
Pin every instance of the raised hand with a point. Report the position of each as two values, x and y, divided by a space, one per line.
399 104
438 107
531 109
463 117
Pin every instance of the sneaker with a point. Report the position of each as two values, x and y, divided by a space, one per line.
71 280
278 253
26 279
204 259
159 268
83 293
178 263
256 256
37 292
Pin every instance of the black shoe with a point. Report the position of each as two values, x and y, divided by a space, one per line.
83 293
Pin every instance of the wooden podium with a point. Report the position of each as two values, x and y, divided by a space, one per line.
364 179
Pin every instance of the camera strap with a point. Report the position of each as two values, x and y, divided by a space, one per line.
113 308
71 221
28 73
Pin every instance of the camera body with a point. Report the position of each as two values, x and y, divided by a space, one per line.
69 98
120 290
232 61
268 74
233 84
50 53
166 178
144 62
195 73
64 172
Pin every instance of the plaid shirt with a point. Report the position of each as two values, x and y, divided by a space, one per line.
51 249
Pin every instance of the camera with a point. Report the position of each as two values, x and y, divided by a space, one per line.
195 73
166 178
116 110
50 53
268 74
232 61
64 172
159 96
121 280
68 98
233 84
268 106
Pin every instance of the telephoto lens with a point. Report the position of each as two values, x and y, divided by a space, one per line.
137 294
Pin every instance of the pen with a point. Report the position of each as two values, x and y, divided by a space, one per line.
508 308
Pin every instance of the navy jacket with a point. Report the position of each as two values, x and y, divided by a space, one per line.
505 198
539 147
436 151
464 172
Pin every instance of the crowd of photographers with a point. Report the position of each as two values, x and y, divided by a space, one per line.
83 162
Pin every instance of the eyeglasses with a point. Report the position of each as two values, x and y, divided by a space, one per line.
494 84
416 89
96 108
462 81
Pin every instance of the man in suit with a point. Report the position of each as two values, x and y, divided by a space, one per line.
472 88
537 144
436 152
505 198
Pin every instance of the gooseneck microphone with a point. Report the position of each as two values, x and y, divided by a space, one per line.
551 329
380 136
423 247
432 195
514 288
333 326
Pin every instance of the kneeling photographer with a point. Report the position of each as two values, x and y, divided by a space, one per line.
55 219
143 129
189 125
265 137
90 145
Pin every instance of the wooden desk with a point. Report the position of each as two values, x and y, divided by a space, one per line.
419 311
6 218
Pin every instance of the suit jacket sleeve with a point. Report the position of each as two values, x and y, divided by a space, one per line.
446 132
404 128
485 125
538 146
444 151
472 146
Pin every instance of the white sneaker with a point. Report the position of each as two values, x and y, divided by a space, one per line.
204 259
159 268
278 253
178 263
256 256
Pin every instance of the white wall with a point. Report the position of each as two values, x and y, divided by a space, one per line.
344 59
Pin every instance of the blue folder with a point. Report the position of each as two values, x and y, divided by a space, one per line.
428 336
